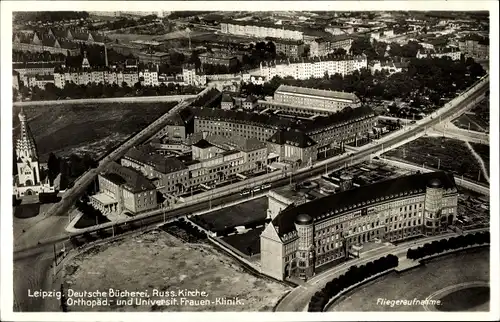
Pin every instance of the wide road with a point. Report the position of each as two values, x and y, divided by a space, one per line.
82 183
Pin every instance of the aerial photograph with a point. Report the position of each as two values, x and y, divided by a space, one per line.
240 161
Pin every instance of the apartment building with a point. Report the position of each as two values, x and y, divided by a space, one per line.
260 30
313 67
323 46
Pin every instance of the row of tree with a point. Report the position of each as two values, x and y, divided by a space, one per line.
439 246
69 168
193 233
101 90
354 275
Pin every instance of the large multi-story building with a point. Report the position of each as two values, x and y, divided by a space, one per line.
34 68
153 57
218 59
37 43
191 77
315 99
83 76
30 179
451 52
344 127
260 30
212 161
475 46
124 189
316 67
323 46
288 47
304 236
38 80
149 77
293 146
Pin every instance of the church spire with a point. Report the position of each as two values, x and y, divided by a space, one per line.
26 147
85 61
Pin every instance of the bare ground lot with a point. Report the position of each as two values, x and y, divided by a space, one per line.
419 283
93 128
237 215
449 154
160 261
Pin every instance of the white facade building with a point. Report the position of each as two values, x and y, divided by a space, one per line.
316 68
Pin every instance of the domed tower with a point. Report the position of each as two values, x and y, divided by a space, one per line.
433 206
27 157
345 182
305 250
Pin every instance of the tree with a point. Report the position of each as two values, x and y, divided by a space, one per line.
53 165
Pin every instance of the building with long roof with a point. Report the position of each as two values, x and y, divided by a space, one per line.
303 236
303 99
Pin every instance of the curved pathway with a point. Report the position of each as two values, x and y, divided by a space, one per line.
480 160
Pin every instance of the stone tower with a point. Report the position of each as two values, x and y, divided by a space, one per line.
27 157
433 206
305 250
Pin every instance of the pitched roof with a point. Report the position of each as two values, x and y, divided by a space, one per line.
360 198
202 144
292 137
316 92
147 155
227 98
132 179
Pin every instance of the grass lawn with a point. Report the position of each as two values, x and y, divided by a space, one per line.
27 210
453 154
93 128
242 242
466 122
88 221
237 215
467 266
157 260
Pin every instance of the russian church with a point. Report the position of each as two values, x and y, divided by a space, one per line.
29 180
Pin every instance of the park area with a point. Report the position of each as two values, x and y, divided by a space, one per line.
244 214
440 153
460 281
157 260
93 128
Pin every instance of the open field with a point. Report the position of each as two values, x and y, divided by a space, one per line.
467 266
157 260
246 243
237 215
92 128
443 153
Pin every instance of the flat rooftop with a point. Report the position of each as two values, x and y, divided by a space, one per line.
104 199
